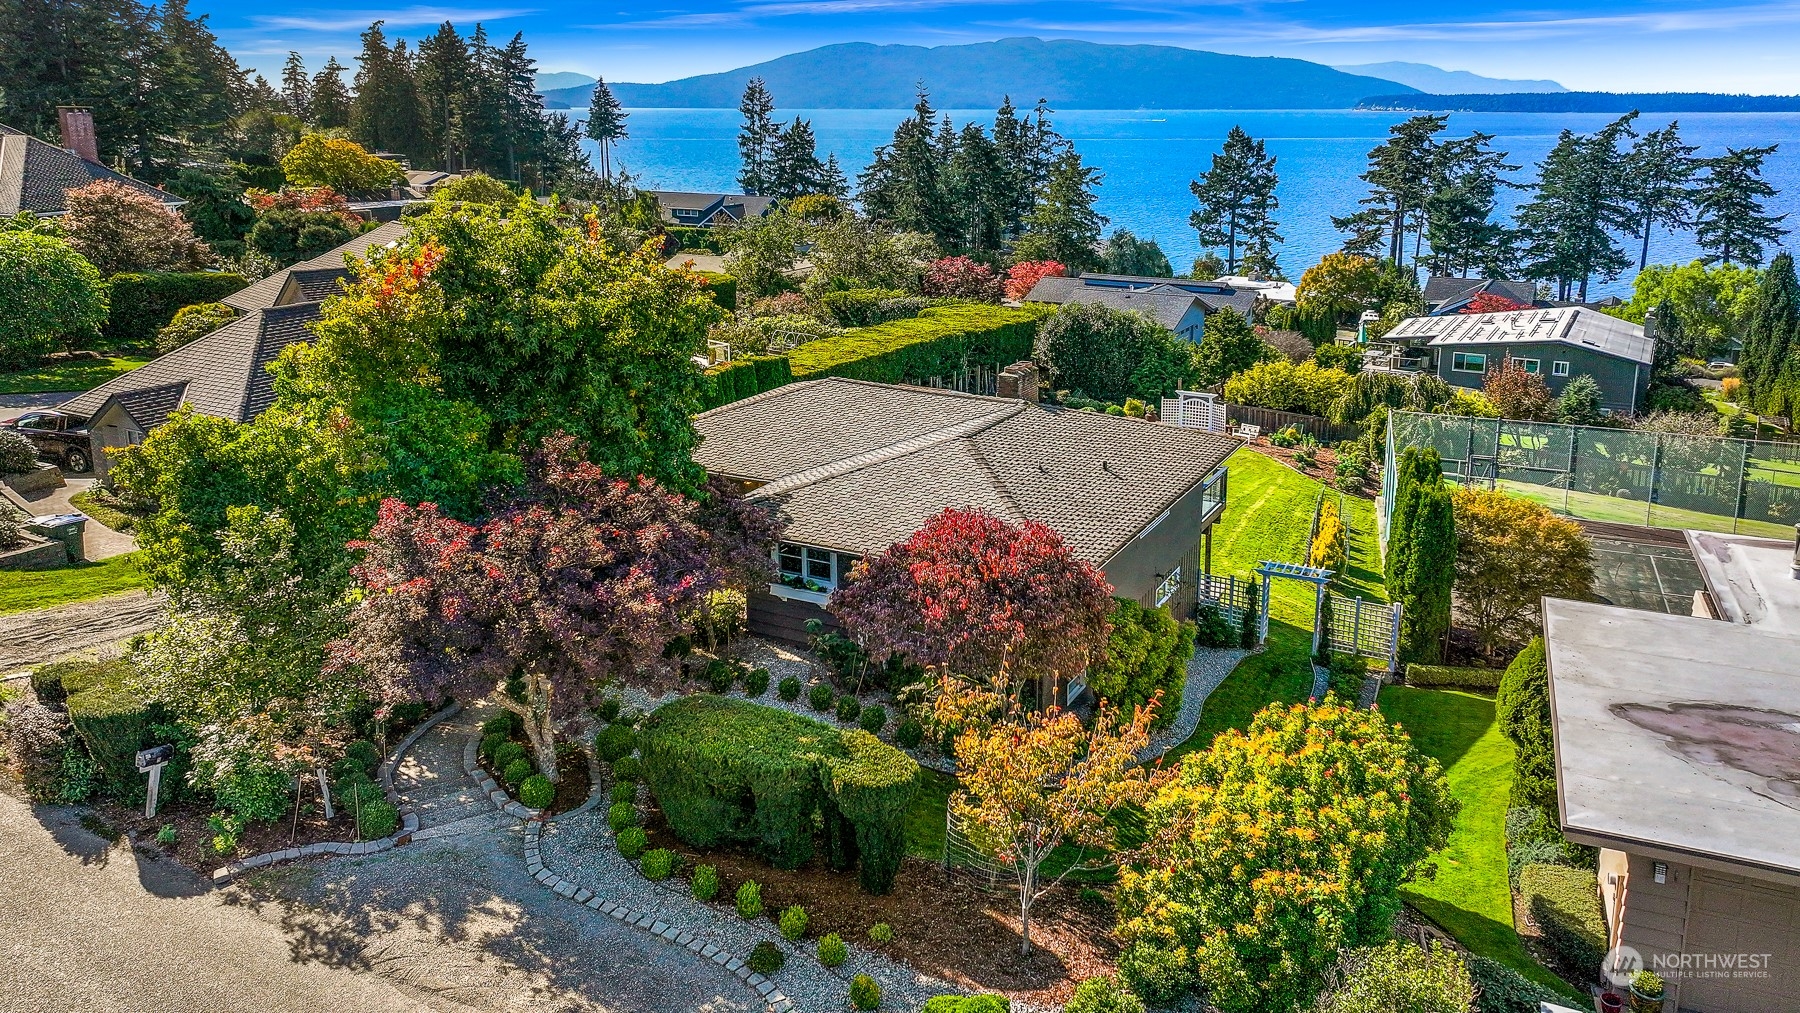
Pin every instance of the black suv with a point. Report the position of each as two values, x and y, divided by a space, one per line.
58 436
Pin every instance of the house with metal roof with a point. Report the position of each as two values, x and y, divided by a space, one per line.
36 175
682 207
1179 304
1678 756
1558 344
855 467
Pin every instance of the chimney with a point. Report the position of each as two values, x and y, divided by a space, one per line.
78 131
1019 380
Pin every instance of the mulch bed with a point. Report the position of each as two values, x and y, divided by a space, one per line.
945 924
1324 468
193 832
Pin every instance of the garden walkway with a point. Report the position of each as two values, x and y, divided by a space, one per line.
431 778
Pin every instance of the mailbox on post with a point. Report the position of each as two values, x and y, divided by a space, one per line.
151 761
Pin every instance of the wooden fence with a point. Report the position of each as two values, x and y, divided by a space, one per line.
1269 420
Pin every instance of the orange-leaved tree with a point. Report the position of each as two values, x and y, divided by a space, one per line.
1042 780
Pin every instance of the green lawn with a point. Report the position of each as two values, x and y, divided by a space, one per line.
1467 893
22 591
1597 507
77 375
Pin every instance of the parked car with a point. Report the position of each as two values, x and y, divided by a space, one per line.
58 436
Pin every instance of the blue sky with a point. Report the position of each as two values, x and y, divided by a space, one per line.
1726 45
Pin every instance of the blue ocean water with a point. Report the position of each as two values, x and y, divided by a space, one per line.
1149 157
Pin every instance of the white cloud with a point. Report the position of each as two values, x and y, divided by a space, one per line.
406 17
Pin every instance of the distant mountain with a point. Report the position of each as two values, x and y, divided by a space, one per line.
562 79
1437 81
1070 74
1587 102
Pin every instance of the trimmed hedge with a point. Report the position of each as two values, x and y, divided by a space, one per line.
724 289
1452 676
858 307
938 342
1147 651
693 237
1565 903
112 721
729 770
143 304
967 1004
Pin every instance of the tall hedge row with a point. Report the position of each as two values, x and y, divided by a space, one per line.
142 304
730 771
741 378
724 289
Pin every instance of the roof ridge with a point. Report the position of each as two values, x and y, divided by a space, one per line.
893 451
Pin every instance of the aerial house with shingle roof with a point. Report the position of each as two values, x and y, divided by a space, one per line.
855 467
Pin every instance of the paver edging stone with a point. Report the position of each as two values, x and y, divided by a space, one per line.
409 820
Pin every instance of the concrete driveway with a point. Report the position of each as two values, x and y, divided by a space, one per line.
448 925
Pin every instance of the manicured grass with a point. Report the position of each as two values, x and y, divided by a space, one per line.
925 820
1596 507
76 375
1464 887
99 506
22 591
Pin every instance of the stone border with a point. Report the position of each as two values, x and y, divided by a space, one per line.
496 794
409 820
777 1001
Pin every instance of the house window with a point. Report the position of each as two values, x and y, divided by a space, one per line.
1468 362
1559 368
1533 366
811 568
1168 587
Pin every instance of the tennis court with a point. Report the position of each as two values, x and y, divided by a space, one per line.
1652 577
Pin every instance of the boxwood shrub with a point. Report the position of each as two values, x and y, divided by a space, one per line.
536 792
756 682
789 689
967 1004
658 864
621 815
631 843
111 720
766 958
706 882
624 793
727 770
507 752
820 697
614 742
1148 651
833 951
849 708
1453 676
515 773
873 719
626 769
1565 903
142 304
376 820
793 923
865 993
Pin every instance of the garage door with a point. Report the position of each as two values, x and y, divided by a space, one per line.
1727 914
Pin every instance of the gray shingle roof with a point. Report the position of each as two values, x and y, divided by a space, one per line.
1104 288
267 292
223 374
1166 306
1441 290
1575 326
36 175
858 466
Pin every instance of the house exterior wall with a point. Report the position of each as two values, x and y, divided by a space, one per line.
112 429
1621 382
1697 913
1134 570
1192 325
784 619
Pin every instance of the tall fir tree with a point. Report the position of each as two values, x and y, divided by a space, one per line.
794 166
1014 145
1773 341
441 75
329 108
1064 226
1582 199
978 187
296 88
903 185
1459 210
525 133
605 123
1399 178
832 182
1730 220
1237 198
1661 170
756 137
484 106
384 114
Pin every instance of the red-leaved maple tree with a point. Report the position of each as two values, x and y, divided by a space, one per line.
962 278
970 594
1491 302
578 579
1022 276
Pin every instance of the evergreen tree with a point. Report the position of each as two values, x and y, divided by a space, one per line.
441 75
529 139
484 107
385 112
1237 198
794 167
1583 197
296 88
1429 575
1661 170
1125 253
756 138
605 123
1399 177
1014 144
330 105
978 188
1772 341
832 182
1459 208
1064 226
903 185
1730 221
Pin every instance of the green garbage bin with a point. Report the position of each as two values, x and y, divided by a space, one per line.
65 528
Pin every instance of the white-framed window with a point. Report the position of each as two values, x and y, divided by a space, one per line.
1530 365
1468 362
1559 368
1168 587
808 567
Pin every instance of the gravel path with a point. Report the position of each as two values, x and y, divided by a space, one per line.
580 849
1206 670
431 778
30 638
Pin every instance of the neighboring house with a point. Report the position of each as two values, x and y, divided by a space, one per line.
1557 344
1177 303
225 373
1678 755
680 207
36 176
1283 292
313 280
1444 295
856 467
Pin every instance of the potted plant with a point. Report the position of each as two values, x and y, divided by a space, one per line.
1611 1002
1647 992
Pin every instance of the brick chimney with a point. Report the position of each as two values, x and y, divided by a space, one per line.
78 131
1019 380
